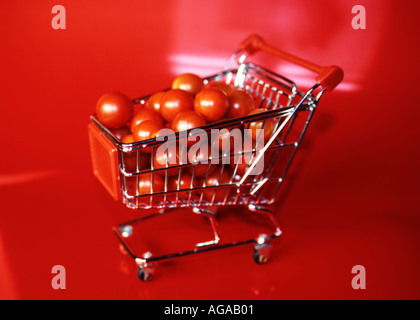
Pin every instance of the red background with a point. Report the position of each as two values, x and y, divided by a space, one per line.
352 197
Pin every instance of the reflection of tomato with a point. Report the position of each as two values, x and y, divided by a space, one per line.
267 125
221 85
147 187
114 110
202 165
240 104
215 179
146 114
166 159
175 101
211 103
189 82
153 102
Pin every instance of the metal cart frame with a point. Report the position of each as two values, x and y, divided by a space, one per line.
292 110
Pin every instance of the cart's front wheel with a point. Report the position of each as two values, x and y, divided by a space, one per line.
144 275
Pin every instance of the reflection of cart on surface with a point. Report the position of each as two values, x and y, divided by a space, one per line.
120 166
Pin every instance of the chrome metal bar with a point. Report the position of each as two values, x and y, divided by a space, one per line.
210 215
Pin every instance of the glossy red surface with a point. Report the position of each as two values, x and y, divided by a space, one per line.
352 196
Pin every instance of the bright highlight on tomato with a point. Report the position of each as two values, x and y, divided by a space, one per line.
189 82
114 110
211 103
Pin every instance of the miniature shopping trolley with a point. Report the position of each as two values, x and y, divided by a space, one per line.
254 185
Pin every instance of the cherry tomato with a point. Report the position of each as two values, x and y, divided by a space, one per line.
153 102
146 114
221 85
166 159
136 160
114 110
129 138
145 130
267 125
189 82
214 179
211 103
231 136
243 161
185 181
147 187
130 158
121 133
240 104
202 165
187 120
173 102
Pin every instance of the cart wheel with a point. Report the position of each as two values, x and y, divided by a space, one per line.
259 258
143 275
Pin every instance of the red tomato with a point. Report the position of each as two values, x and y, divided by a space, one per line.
153 102
267 125
211 103
121 133
146 130
187 120
134 161
129 138
240 104
147 187
221 85
241 165
166 159
189 82
114 110
215 179
182 183
231 136
146 114
202 165
243 161
175 101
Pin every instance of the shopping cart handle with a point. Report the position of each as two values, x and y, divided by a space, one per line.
328 77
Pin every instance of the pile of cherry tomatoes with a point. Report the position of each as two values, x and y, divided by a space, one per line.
190 103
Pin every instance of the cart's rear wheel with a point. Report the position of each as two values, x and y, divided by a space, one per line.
259 258
144 275
262 249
